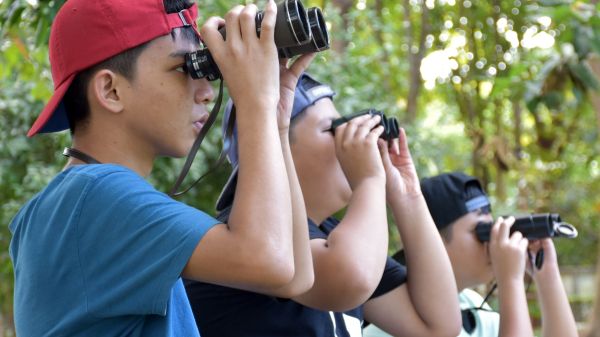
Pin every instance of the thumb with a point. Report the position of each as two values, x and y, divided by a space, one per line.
384 152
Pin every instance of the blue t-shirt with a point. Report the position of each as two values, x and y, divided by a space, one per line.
99 252
227 312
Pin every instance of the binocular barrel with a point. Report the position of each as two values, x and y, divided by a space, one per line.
297 31
390 125
318 31
532 226
291 25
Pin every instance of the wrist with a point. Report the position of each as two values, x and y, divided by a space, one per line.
510 282
547 277
284 133
374 181
257 106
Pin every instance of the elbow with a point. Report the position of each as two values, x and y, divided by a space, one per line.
448 326
300 285
451 328
363 285
455 326
276 268
356 291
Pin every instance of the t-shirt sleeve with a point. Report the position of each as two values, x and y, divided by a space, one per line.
314 232
394 275
133 244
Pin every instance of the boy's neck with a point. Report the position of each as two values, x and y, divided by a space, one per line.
114 150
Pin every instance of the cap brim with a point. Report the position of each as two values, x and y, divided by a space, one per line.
53 117
228 193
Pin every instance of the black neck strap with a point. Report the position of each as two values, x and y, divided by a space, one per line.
74 153
196 146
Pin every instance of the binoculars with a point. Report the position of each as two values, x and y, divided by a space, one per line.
533 226
391 129
297 31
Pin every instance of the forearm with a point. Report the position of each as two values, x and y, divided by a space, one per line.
426 256
261 212
557 317
303 264
349 263
362 235
514 313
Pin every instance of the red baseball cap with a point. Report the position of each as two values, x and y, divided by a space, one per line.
87 32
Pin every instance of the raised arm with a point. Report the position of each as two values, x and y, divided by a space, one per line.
508 255
414 309
349 263
303 264
557 317
254 250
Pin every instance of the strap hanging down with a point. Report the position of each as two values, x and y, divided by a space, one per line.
190 158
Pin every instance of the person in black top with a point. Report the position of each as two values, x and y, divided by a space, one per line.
354 281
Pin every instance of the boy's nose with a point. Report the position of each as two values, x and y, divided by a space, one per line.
204 92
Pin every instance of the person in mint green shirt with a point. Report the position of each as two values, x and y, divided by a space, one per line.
457 204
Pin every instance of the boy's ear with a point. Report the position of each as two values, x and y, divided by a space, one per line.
104 88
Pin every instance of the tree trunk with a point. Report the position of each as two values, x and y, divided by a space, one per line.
387 87
594 62
415 58
340 45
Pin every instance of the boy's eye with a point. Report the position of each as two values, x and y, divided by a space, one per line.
181 69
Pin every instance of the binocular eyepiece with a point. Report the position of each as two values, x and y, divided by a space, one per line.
297 31
391 129
533 226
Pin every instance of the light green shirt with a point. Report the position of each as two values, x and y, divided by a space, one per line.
487 322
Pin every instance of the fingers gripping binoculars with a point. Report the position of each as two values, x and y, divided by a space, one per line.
533 226
391 129
297 31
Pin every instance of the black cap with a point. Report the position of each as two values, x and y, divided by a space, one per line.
449 196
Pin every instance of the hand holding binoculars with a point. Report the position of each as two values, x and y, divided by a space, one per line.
532 226
391 129
297 31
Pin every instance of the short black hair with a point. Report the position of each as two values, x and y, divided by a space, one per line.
472 190
75 100
175 6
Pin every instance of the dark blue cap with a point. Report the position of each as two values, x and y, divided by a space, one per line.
308 92
449 196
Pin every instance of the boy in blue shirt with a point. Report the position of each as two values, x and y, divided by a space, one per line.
99 251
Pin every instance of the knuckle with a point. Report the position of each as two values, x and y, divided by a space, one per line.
267 24
251 7
247 14
204 30
233 12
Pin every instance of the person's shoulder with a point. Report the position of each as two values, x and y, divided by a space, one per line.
99 171
107 177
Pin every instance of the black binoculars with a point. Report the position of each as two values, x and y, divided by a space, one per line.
297 31
533 226
391 129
